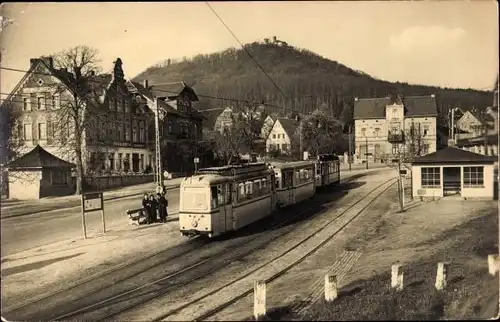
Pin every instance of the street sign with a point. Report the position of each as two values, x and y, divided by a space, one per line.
196 160
92 201
402 172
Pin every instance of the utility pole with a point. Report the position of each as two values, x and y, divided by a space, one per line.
349 156
366 144
159 180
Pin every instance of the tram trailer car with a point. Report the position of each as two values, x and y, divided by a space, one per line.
295 181
222 199
327 170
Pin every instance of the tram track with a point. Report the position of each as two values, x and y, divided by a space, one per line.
126 301
136 269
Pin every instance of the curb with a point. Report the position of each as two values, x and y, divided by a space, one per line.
73 207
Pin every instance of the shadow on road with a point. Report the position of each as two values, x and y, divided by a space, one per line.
35 265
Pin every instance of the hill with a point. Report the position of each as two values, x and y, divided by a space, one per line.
307 80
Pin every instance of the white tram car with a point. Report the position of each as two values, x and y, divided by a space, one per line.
294 181
218 200
327 170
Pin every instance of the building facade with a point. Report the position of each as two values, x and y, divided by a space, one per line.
117 127
281 136
386 127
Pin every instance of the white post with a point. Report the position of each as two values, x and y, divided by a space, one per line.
259 299
493 264
330 287
442 272
397 277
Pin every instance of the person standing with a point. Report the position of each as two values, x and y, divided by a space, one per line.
145 206
152 209
162 207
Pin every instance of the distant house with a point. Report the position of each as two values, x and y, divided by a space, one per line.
227 119
267 125
473 123
280 137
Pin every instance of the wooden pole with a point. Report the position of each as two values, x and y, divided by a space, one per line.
83 219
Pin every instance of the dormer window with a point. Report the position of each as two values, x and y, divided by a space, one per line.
40 82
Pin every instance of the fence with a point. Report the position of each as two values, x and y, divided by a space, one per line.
107 182
331 290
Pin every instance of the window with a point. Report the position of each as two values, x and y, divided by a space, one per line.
126 106
284 147
425 148
141 162
170 127
119 162
42 131
274 136
241 191
41 102
111 158
27 132
426 130
26 104
214 197
141 132
195 134
394 149
55 102
473 177
127 132
377 131
431 177
134 133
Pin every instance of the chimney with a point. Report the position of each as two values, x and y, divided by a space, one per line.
50 61
169 61
274 38
145 84
33 61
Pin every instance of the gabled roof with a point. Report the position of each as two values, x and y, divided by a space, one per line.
39 158
290 126
173 90
415 106
452 155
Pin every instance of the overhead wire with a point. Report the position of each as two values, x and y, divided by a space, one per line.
245 48
247 101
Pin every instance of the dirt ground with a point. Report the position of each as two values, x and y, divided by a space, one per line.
462 233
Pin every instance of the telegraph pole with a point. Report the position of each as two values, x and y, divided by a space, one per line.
350 147
159 180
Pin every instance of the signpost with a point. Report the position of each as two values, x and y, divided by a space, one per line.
92 202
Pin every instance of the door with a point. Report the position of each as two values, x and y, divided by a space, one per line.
228 207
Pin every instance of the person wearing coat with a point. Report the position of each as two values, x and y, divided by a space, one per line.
162 208
146 205
152 209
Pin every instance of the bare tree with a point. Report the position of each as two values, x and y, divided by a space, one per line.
79 104
321 132
230 143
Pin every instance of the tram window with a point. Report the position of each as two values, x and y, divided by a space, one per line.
214 197
248 186
220 195
264 186
256 187
241 191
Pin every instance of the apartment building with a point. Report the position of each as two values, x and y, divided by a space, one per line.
385 127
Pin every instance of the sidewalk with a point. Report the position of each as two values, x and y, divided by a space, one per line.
13 208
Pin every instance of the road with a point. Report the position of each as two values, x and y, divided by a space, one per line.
22 233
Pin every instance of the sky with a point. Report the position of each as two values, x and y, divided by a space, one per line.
444 43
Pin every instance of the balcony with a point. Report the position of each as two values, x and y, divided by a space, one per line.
396 136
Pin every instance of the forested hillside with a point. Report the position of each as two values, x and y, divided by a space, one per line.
307 80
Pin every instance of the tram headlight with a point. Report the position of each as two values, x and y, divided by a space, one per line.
195 224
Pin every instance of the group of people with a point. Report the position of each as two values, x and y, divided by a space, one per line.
155 209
